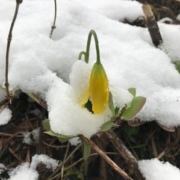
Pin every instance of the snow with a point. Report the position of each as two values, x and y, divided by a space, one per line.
23 172
26 137
82 121
5 116
2 168
44 159
121 9
29 137
28 171
49 67
178 17
156 170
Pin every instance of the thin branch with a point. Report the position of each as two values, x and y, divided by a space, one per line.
65 156
36 99
79 160
18 134
125 153
13 153
106 158
52 176
163 153
55 15
153 145
152 25
122 149
18 2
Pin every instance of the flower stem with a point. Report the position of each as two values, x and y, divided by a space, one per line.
80 55
98 60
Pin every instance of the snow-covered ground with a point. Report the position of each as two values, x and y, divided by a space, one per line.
51 69
28 171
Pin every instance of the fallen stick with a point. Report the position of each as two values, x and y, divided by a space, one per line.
106 158
125 153
152 25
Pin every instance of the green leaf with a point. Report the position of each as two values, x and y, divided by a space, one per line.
136 105
46 125
107 126
111 104
177 65
62 138
86 151
51 133
132 91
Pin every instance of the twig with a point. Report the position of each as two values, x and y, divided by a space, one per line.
14 135
102 143
62 164
28 156
65 156
53 146
55 15
12 152
11 135
152 25
106 158
79 160
163 153
125 153
154 149
39 101
122 150
9 96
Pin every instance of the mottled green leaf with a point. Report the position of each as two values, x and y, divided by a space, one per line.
107 126
136 105
132 91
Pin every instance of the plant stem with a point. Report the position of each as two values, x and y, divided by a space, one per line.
18 2
98 60
55 15
80 55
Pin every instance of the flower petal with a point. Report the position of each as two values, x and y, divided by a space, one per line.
98 88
